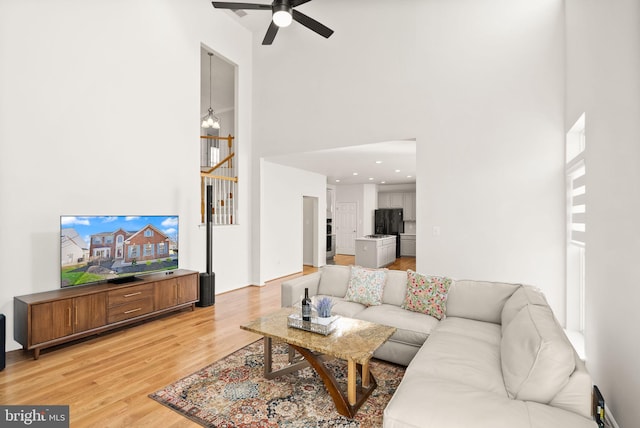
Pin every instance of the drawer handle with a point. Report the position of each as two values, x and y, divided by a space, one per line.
133 310
133 294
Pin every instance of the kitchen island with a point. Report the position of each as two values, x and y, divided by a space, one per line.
374 251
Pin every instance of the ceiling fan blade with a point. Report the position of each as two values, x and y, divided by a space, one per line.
236 6
271 34
312 24
295 3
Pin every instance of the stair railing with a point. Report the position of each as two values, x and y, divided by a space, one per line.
223 178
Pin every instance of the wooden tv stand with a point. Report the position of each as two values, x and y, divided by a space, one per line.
53 317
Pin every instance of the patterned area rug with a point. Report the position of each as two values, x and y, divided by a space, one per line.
234 393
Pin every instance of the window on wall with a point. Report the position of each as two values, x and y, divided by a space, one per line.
576 173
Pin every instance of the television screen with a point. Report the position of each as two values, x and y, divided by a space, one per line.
116 248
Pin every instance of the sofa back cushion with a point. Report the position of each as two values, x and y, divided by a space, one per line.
395 289
524 295
334 280
536 356
478 300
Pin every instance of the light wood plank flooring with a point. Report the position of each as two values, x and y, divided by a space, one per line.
106 379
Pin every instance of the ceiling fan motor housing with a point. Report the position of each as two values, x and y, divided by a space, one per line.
281 6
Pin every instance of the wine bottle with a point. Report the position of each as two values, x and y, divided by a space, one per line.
306 306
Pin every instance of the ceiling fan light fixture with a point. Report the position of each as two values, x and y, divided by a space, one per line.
282 14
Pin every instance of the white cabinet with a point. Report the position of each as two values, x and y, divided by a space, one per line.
404 200
409 207
390 200
408 245
383 200
396 200
330 203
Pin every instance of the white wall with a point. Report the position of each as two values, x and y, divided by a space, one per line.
309 237
603 80
492 143
370 204
366 198
353 88
281 220
480 84
96 98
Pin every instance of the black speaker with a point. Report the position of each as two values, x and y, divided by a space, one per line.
207 289
3 340
208 278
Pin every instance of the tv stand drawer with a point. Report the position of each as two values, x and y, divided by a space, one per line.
130 294
130 310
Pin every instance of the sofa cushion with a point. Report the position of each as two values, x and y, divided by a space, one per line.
524 295
334 280
413 328
366 285
395 289
453 353
478 330
478 300
537 358
425 401
426 294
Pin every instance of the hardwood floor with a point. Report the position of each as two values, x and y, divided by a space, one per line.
106 379
401 263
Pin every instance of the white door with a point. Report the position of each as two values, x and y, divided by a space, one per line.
346 224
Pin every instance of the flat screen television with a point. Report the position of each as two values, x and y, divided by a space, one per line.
116 248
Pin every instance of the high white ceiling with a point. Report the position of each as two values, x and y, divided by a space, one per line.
390 162
340 163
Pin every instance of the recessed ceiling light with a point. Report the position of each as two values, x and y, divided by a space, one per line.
370 178
355 173
337 181
408 176
382 182
378 161
397 170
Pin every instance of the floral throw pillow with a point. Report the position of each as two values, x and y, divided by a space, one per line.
366 285
426 294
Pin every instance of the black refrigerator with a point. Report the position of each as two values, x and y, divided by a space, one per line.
388 221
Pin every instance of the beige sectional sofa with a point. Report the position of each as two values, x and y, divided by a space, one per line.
498 359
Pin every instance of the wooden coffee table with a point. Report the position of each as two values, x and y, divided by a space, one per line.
352 340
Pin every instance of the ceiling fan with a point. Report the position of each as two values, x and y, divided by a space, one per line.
283 13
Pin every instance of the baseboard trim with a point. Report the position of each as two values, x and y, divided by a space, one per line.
609 421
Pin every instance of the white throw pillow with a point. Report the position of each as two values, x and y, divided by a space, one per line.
537 358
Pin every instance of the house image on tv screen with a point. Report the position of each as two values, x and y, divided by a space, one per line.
73 247
113 248
127 248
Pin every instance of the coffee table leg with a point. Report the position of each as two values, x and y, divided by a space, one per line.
267 357
365 375
351 382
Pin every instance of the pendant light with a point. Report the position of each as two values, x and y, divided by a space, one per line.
210 120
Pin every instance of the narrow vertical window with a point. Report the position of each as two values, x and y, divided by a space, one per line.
576 185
